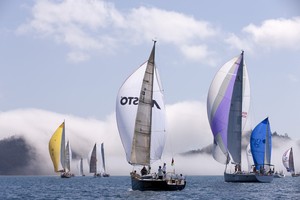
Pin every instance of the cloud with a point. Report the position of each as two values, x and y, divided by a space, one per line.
168 26
90 26
273 33
76 24
187 129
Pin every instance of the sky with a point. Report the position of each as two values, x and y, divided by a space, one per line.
65 60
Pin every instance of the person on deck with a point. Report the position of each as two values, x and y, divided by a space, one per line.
160 173
144 171
164 169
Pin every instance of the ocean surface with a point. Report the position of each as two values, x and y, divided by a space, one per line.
119 187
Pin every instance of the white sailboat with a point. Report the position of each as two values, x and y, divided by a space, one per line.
228 105
80 167
288 162
95 161
140 114
104 174
60 153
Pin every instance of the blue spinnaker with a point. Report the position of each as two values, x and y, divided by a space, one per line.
261 144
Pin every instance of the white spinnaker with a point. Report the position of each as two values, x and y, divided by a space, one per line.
126 109
288 160
216 94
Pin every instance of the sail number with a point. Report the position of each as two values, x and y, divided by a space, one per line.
135 101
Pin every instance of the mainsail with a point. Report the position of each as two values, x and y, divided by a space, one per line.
140 114
95 160
261 144
227 109
288 160
103 158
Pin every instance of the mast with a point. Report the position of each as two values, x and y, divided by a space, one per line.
141 145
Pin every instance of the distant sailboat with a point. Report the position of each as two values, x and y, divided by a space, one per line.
227 109
95 160
104 174
80 167
140 113
60 152
288 162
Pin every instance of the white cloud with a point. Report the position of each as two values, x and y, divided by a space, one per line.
77 56
91 25
187 126
187 129
167 26
241 44
198 53
272 33
77 24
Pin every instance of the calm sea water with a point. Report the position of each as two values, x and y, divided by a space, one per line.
119 187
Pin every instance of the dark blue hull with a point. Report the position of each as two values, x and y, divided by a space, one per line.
156 184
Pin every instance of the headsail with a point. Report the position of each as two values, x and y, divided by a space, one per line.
261 144
288 160
140 113
55 147
227 108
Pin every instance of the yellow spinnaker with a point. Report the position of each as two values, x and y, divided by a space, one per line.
55 145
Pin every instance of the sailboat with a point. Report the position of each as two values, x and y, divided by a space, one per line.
261 148
140 114
60 152
104 174
95 160
80 167
228 105
288 162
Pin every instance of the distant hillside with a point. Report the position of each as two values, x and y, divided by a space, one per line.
208 149
19 158
16 156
